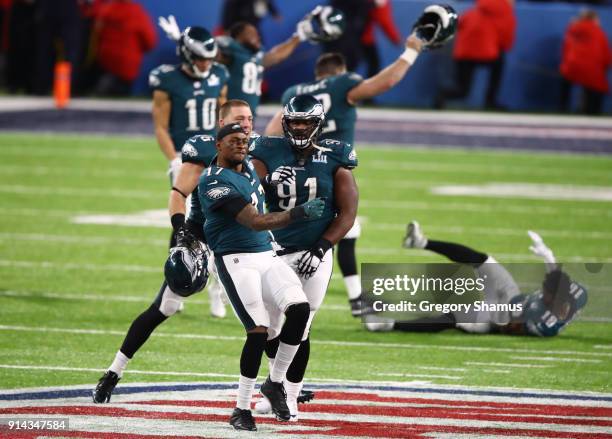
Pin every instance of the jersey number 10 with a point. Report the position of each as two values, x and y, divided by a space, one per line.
209 113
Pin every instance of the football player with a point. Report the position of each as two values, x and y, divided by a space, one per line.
315 168
197 154
339 91
186 96
255 279
544 313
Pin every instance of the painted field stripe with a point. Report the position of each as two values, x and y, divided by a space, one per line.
80 266
74 172
473 413
528 190
603 346
372 424
558 359
325 342
77 239
418 375
528 366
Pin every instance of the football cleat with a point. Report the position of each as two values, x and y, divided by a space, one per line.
414 236
242 420
104 389
356 310
275 392
305 396
375 323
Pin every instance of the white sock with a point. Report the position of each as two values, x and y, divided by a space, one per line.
284 357
292 389
270 364
119 363
353 286
246 387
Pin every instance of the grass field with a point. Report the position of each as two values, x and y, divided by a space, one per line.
68 292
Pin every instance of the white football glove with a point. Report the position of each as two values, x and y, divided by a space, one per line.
310 260
540 249
303 30
170 26
173 169
281 175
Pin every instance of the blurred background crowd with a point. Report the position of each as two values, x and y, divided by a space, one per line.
541 56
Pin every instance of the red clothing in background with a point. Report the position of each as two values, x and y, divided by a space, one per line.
477 38
586 55
125 33
382 15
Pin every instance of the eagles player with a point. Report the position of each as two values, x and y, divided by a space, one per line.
242 53
318 168
255 280
186 96
339 91
544 313
197 154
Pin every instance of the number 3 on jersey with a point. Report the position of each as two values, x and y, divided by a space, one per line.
288 193
330 124
209 110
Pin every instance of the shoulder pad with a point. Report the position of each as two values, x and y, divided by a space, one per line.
199 149
343 152
157 75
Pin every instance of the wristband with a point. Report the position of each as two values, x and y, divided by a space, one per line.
323 245
409 55
177 220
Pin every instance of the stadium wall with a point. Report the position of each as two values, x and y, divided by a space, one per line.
531 80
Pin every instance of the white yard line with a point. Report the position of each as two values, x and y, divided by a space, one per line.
418 375
528 366
558 359
360 344
603 346
75 266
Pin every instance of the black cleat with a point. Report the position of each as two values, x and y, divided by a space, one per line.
275 392
105 387
242 420
356 307
305 396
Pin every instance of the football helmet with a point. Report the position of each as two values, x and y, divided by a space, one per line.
196 43
304 108
325 23
186 269
436 26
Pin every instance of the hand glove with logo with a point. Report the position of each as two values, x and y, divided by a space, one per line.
304 30
540 249
309 262
312 209
173 169
281 175
170 26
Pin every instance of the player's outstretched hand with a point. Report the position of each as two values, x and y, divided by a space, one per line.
540 249
312 209
281 175
414 42
170 26
303 30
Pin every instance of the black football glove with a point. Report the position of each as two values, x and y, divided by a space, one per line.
309 262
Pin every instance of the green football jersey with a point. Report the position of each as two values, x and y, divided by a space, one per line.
201 150
340 116
314 178
224 234
194 100
246 71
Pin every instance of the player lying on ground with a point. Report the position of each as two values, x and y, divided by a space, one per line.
312 168
543 313
256 281
339 91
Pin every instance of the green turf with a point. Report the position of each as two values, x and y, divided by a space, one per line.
51 269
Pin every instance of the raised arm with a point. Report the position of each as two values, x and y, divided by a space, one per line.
280 52
388 77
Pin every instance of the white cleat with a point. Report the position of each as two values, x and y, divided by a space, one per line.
263 406
414 236
376 323
181 307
